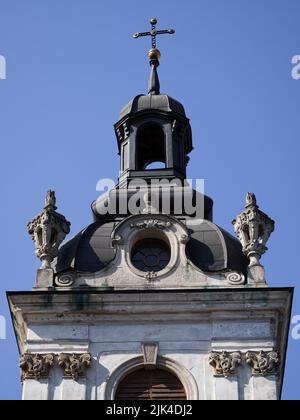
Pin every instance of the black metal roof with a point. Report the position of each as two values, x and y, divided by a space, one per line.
159 102
210 249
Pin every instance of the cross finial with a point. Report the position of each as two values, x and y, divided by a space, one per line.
154 32
154 55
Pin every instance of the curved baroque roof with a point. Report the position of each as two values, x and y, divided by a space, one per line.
209 249
149 102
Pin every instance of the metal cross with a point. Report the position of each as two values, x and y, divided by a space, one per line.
154 32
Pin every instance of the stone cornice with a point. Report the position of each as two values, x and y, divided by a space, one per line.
79 303
40 307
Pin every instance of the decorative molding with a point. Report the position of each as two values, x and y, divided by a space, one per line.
35 366
48 230
123 132
224 363
126 130
74 365
235 278
150 354
263 363
151 275
117 240
119 134
184 239
151 224
132 364
65 280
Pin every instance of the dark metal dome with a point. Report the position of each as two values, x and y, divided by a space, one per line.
213 249
210 249
159 102
89 251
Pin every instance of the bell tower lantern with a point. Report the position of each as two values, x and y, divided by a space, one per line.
153 133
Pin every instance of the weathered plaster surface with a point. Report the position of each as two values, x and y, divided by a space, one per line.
186 325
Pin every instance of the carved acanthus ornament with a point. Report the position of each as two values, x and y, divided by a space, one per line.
35 366
151 275
74 365
263 363
48 230
224 363
253 228
151 224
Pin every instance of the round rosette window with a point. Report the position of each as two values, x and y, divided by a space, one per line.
150 255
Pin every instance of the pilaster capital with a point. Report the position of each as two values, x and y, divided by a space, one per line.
35 366
74 365
225 363
263 363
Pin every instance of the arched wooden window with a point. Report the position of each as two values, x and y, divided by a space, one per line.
155 384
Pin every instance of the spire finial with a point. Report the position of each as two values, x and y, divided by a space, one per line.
50 201
154 54
48 230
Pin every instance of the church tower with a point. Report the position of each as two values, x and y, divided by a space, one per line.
152 300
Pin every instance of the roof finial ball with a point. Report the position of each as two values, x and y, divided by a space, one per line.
154 55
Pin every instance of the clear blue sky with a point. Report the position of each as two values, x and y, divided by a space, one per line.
72 65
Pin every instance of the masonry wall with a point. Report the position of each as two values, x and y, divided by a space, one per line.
184 349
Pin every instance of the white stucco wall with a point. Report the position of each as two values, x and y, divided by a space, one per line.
185 326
